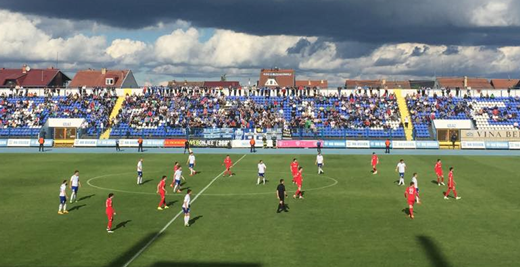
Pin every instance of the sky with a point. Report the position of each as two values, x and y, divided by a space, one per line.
321 39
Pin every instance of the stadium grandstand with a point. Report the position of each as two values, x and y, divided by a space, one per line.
302 109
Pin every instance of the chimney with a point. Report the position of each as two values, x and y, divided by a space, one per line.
24 69
465 81
104 71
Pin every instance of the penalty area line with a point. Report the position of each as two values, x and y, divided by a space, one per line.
176 216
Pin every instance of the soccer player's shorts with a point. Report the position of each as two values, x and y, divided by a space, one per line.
185 210
401 174
63 199
162 193
440 173
411 202
75 189
178 182
417 188
320 165
139 174
191 165
261 174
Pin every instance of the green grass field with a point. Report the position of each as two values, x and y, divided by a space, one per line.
349 217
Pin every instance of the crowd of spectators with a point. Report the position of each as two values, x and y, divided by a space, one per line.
425 109
30 111
178 109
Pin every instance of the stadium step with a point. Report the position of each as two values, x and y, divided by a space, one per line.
115 111
403 109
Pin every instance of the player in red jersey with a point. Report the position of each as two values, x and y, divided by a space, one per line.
298 180
451 185
294 169
411 194
375 161
162 192
110 212
228 163
438 171
175 168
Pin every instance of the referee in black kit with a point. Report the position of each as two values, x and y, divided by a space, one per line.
281 194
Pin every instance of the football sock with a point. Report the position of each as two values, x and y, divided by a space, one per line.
411 212
455 193
61 206
264 180
65 207
186 220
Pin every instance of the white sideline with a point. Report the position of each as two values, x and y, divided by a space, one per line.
176 216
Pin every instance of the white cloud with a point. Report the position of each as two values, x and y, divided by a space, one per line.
20 39
128 51
187 53
498 13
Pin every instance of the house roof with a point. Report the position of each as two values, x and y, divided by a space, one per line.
479 83
281 77
312 83
31 78
505 83
175 83
97 78
224 84
396 84
354 84
451 82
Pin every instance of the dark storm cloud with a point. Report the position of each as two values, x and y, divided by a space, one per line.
364 21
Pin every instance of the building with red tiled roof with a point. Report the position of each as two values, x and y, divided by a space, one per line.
452 82
505 83
464 83
312 83
355 84
222 84
104 78
276 78
32 78
185 83
395 84
478 83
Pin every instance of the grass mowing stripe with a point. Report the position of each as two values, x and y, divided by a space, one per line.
176 216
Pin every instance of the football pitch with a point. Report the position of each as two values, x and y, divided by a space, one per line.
348 217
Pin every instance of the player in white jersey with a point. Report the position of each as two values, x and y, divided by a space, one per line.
74 185
401 168
177 176
261 172
140 172
414 180
63 198
186 208
320 163
191 164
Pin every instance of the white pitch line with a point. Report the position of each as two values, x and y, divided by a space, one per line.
176 216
